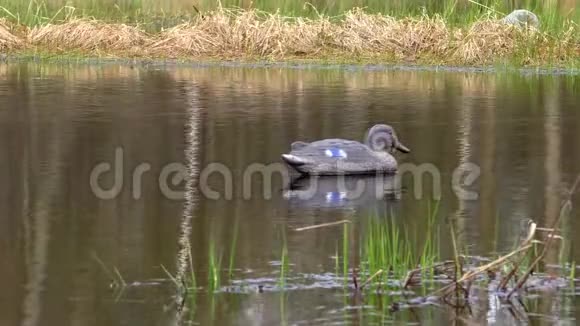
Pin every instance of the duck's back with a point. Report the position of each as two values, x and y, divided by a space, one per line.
333 149
333 156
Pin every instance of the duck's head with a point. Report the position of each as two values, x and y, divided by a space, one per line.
383 138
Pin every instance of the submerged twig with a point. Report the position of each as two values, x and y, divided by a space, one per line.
321 225
379 272
120 277
117 281
566 206
528 240
409 277
471 274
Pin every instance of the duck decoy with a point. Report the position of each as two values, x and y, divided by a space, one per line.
346 157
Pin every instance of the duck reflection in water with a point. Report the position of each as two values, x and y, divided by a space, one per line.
342 191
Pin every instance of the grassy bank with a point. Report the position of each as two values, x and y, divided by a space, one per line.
239 34
166 13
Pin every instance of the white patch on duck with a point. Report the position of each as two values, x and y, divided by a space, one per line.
335 152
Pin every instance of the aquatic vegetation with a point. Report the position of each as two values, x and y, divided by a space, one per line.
284 264
232 252
514 272
345 249
117 280
192 279
187 285
356 36
283 313
214 269
388 247
572 274
396 269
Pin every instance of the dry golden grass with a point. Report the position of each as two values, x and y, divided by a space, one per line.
7 39
405 39
270 35
245 33
250 34
88 35
487 39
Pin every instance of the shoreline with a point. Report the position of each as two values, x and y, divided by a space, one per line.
251 36
287 64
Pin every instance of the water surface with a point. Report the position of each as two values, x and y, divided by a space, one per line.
60 238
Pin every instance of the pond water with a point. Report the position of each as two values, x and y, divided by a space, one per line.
65 234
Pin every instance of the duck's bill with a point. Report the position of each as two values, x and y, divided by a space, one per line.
403 148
